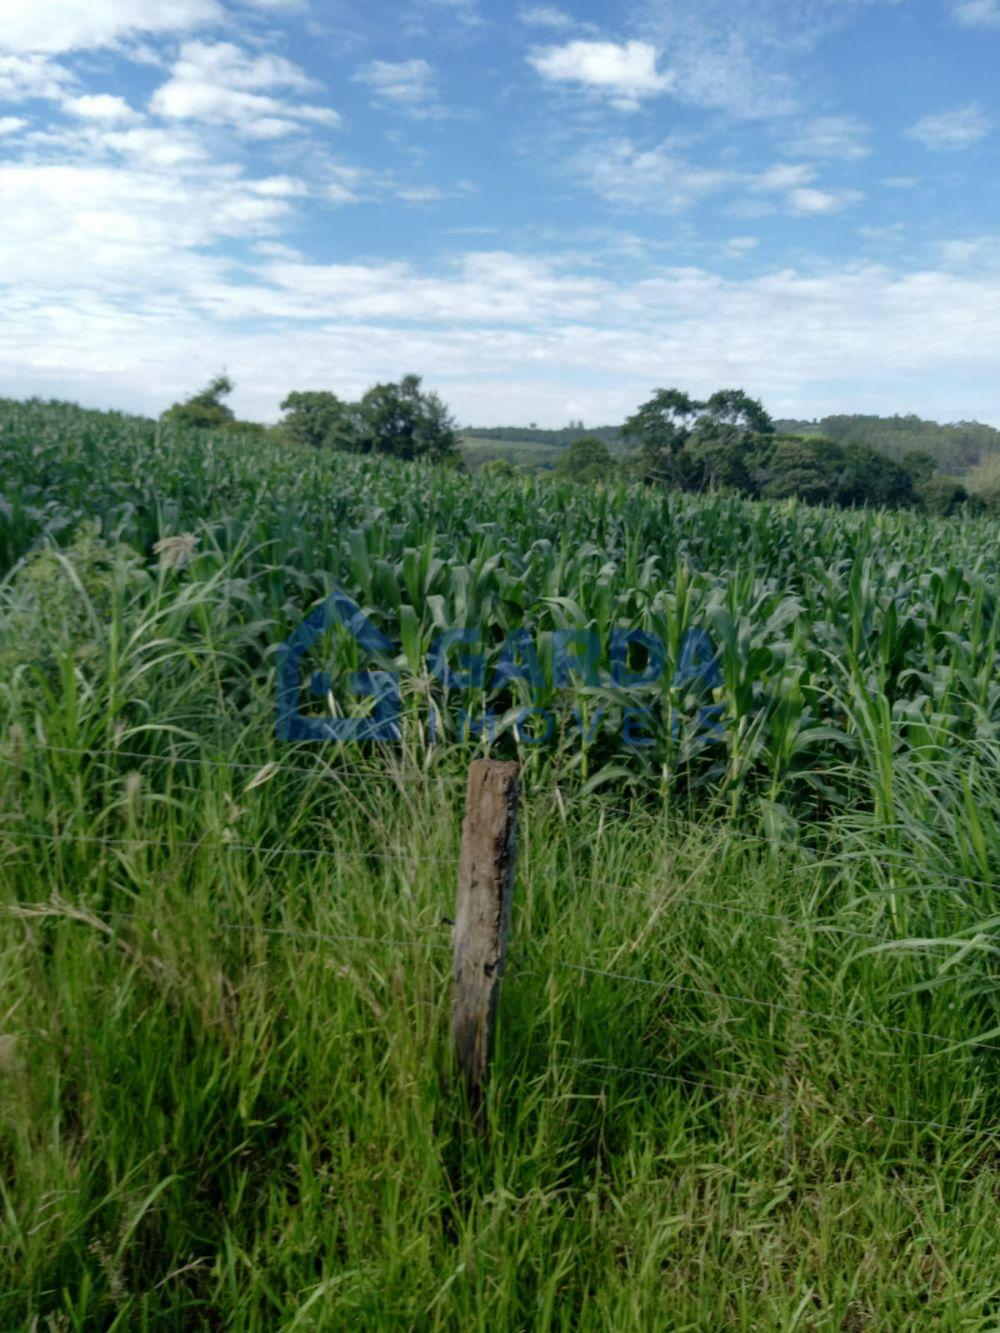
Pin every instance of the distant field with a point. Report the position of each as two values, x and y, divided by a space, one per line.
519 453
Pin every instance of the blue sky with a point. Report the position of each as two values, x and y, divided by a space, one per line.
547 210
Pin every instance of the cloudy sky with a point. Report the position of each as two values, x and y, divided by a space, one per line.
547 211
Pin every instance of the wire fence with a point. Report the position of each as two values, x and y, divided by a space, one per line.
787 1101
224 844
277 764
664 896
740 1089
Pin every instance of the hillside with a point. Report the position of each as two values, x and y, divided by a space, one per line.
531 455
611 435
956 448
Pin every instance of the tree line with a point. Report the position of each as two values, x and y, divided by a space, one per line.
957 447
398 419
727 442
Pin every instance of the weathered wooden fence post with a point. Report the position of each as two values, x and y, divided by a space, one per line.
482 916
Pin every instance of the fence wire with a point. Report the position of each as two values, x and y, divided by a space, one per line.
861 1117
815 1015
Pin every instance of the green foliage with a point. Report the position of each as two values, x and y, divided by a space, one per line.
586 460
789 593
320 420
497 467
227 1099
802 469
984 483
823 472
519 453
659 432
748 1024
954 448
868 477
402 421
719 444
204 410
61 600
729 443
557 439
944 496
919 466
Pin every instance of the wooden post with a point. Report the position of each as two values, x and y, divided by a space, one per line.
482 916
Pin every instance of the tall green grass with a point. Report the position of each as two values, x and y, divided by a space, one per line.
716 1101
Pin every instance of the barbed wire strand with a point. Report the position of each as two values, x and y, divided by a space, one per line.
47 910
773 1005
661 896
320 769
556 797
776 1100
404 858
55 910
224 845
742 840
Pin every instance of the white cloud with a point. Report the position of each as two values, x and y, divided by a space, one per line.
741 56
545 16
345 185
407 84
147 146
69 25
653 179
11 125
810 202
626 73
831 137
783 176
101 107
801 197
660 180
218 82
980 254
279 187
956 129
132 232
978 13
917 341
416 194
450 19
26 77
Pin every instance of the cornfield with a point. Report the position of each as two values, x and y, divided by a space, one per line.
223 953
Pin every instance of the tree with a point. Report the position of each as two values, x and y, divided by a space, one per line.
716 451
497 467
701 446
732 407
803 469
660 429
319 419
918 465
944 496
984 484
586 459
399 419
204 410
868 477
